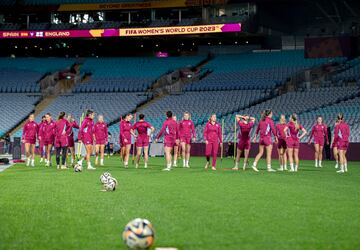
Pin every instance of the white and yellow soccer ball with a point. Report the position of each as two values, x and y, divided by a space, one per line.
104 177
139 234
77 168
111 184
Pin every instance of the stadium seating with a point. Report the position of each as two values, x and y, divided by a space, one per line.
14 108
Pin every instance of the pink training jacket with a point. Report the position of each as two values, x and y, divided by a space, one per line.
342 132
101 131
280 131
73 124
125 128
141 127
170 128
266 127
62 129
187 129
293 132
245 129
319 131
212 132
30 130
49 130
41 126
86 130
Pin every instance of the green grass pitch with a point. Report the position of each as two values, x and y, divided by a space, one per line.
191 209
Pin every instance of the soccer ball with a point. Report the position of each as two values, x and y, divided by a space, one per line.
104 177
139 234
110 185
77 168
113 179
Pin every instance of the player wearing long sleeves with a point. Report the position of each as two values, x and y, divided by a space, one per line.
281 145
49 137
341 135
144 131
245 123
41 138
334 146
266 129
125 138
187 134
213 137
30 131
293 141
71 142
86 136
319 133
101 139
62 132
170 130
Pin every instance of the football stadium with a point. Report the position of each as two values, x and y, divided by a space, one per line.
179 125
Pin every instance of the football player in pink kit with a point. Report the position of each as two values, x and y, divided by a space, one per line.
49 137
281 145
319 132
71 143
176 147
293 141
142 139
266 128
41 137
86 136
101 139
30 131
245 123
187 134
125 138
212 136
171 138
341 135
62 132
334 146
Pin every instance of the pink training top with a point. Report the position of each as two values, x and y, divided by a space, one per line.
141 127
41 130
170 128
101 131
266 127
293 132
30 130
319 131
280 131
73 124
212 132
49 130
187 129
86 130
62 128
342 132
125 127
245 129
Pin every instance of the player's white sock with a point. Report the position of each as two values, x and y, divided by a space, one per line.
296 168
168 165
285 167
96 160
33 163
269 168
145 166
345 167
320 165
337 164
72 160
292 167
184 163
101 162
41 159
175 164
126 164
187 163
254 167
316 163
281 168
341 169
28 161
236 167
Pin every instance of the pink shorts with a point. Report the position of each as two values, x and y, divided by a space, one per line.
186 140
343 145
61 142
290 143
170 143
244 145
320 142
281 144
334 144
87 140
49 141
266 141
125 143
142 142
100 141
30 141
